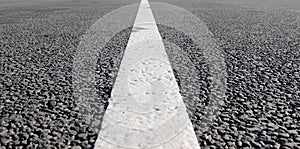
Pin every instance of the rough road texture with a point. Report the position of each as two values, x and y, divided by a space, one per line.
261 42
38 42
260 39
190 70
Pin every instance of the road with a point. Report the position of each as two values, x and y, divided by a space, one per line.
242 54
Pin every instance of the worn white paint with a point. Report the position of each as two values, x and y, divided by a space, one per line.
146 109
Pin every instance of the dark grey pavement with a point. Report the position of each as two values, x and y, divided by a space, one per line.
260 40
38 40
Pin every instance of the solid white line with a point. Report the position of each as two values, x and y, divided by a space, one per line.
146 109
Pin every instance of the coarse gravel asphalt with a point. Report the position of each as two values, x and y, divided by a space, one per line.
260 39
38 40
261 42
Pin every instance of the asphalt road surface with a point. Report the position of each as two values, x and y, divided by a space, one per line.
260 45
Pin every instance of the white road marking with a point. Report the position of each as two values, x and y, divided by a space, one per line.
146 109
